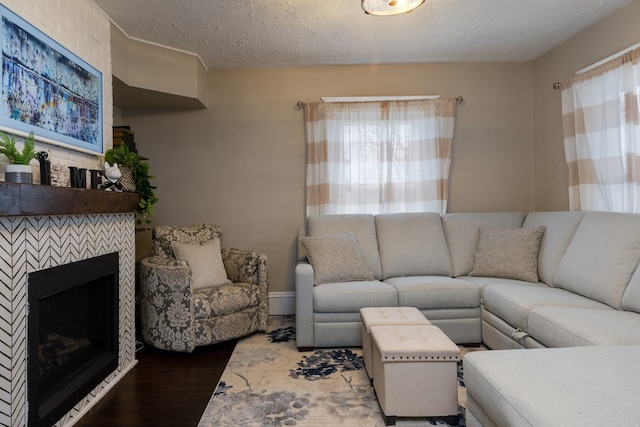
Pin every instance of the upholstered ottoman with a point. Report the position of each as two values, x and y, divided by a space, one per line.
372 316
415 371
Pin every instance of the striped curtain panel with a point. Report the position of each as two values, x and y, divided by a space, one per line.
378 156
601 128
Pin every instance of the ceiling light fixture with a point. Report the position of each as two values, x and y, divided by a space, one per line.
389 7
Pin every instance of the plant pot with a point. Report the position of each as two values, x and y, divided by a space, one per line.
21 174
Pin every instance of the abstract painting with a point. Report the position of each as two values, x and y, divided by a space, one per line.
48 90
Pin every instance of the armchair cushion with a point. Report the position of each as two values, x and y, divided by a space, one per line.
224 299
205 261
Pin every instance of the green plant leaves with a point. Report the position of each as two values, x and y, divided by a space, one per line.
8 148
124 157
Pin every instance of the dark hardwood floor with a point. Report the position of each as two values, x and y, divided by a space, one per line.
163 389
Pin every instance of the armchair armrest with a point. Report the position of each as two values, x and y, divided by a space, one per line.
247 266
166 304
304 306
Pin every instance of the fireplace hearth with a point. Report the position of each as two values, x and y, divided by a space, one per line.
73 332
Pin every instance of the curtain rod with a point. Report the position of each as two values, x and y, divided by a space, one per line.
300 104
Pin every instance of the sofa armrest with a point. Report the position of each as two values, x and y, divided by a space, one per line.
304 306
247 266
166 304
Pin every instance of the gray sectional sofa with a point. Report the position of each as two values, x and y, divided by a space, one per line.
471 275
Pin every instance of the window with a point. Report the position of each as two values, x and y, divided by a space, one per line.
601 127
378 156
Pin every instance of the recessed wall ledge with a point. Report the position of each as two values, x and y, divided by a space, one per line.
36 200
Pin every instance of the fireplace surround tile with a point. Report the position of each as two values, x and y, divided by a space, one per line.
31 243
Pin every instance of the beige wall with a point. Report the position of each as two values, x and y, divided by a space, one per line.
240 162
601 40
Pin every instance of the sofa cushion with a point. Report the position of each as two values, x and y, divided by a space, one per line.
350 297
435 292
462 233
572 327
412 244
514 303
601 257
336 258
205 262
511 253
362 225
560 228
581 386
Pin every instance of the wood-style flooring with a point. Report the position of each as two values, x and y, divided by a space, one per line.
163 389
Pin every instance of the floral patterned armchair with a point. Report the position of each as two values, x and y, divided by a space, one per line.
175 316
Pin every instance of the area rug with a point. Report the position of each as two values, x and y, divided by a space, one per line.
267 382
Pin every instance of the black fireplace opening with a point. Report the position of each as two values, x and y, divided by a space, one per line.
73 334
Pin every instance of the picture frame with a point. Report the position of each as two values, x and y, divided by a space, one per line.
48 90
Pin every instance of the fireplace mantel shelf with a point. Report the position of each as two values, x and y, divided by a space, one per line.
35 200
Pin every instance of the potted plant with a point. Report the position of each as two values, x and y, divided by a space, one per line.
18 169
129 161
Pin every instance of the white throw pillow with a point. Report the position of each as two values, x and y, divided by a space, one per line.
205 261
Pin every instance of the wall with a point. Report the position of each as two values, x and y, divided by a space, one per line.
605 38
240 162
82 28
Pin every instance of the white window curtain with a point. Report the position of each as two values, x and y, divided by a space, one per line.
378 157
602 136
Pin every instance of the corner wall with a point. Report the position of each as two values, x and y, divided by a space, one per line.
605 38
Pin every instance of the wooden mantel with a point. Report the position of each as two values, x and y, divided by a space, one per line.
35 200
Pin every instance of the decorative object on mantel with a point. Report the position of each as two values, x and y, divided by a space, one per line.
141 178
59 175
45 167
78 177
18 170
112 175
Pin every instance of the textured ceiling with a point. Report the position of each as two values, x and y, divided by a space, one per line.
279 33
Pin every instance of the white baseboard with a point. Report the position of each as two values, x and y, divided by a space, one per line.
282 303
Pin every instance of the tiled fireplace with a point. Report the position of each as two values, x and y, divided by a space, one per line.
30 243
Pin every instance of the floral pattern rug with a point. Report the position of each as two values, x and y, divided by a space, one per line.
267 382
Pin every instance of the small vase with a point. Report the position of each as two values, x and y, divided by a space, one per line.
21 174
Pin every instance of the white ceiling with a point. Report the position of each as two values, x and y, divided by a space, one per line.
280 33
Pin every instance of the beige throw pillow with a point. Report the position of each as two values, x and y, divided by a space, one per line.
336 258
510 253
205 261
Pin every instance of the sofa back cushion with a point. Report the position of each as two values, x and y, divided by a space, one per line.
462 231
601 257
362 225
412 244
560 228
